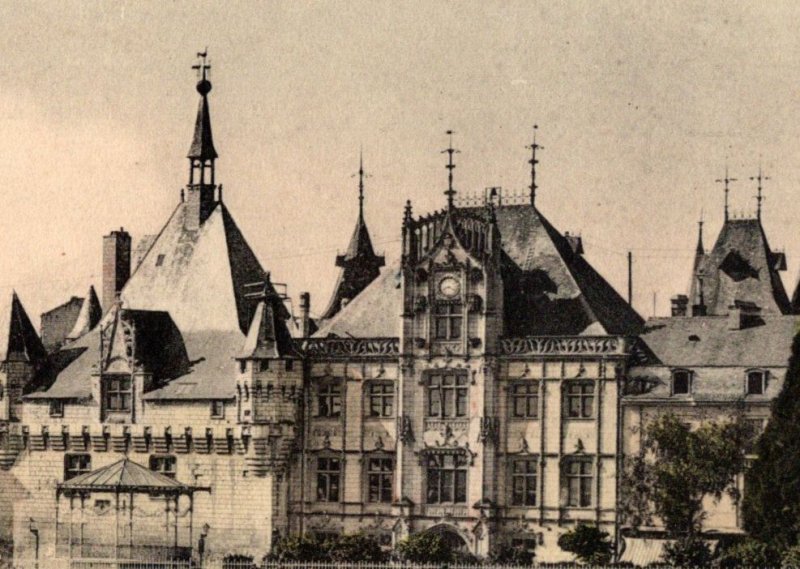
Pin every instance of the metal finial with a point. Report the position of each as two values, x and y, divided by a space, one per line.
533 162
202 66
726 181
759 197
450 193
361 176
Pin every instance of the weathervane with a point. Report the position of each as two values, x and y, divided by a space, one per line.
202 66
450 166
726 181
759 198
533 162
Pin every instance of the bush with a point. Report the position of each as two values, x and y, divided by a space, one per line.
688 551
791 557
425 547
512 555
589 544
748 553
299 548
356 548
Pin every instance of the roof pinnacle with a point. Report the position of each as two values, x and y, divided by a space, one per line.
533 162
726 181
450 193
202 67
759 198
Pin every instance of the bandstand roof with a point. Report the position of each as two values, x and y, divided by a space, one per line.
124 475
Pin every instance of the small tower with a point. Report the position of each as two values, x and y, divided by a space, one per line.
359 265
200 199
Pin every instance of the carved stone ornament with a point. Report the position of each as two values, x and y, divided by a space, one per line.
474 303
420 303
405 429
419 342
489 430
579 345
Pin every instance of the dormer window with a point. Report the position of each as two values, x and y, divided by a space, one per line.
681 382
118 393
56 408
756 382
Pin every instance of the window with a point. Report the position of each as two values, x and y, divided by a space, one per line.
165 465
56 408
381 399
523 482
289 365
448 320
263 365
681 382
329 473
379 479
242 366
76 464
217 409
580 400
446 478
756 382
329 400
525 400
447 395
579 483
159 260
118 393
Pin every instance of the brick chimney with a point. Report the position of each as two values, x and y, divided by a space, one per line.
305 309
680 303
116 265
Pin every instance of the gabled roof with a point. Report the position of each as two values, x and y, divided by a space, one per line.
741 266
18 338
88 317
550 289
123 475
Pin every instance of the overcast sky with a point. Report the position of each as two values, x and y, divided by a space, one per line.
638 106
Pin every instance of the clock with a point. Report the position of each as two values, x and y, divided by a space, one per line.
449 287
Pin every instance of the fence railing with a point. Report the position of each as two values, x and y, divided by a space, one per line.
219 563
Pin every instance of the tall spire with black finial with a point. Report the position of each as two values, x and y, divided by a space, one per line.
726 181
201 201
361 184
759 197
450 193
533 162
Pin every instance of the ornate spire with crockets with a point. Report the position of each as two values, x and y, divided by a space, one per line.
533 162
450 193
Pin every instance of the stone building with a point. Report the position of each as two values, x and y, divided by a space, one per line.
482 386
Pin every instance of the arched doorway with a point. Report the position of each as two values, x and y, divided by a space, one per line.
450 536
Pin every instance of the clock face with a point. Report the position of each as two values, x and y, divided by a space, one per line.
449 287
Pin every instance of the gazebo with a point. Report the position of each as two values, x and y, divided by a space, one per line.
125 512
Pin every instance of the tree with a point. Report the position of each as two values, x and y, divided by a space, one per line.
748 553
299 548
425 547
512 555
589 544
356 548
678 468
771 504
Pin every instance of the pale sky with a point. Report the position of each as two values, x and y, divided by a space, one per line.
638 105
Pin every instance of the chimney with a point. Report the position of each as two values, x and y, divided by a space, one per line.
305 319
680 303
743 314
116 265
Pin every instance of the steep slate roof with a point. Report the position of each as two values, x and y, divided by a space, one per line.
202 147
741 266
18 338
267 338
123 475
703 341
550 289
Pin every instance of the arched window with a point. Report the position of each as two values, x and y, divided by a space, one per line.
756 382
681 382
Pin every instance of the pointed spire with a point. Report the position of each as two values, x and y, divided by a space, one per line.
22 342
202 152
759 197
700 249
361 176
450 193
88 317
726 181
533 162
